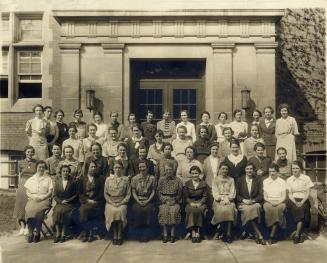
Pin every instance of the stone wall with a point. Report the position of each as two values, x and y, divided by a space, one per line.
300 74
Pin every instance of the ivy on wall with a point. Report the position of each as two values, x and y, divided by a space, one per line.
301 71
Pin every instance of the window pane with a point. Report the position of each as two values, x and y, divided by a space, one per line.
193 96
192 112
24 68
25 77
150 96
184 96
24 54
4 64
36 68
4 88
36 77
29 90
176 113
158 96
158 112
176 96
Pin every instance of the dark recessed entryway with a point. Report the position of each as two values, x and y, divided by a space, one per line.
175 85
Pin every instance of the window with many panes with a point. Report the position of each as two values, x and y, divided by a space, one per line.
29 74
4 73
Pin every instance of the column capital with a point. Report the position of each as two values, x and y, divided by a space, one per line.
113 48
72 48
222 47
265 48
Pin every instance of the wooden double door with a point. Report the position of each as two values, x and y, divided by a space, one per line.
169 94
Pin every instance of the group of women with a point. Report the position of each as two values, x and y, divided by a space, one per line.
228 175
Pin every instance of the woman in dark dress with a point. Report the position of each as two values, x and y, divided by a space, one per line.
91 200
267 126
143 190
62 127
65 195
127 169
261 162
170 190
202 144
235 160
195 195
249 196
102 167
26 169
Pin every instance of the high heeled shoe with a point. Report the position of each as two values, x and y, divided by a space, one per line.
260 241
164 239
172 239
56 239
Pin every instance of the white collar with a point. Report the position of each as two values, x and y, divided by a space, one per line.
235 159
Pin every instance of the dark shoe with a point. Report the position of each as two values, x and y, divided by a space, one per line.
164 239
172 240
260 241
62 239
37 239
193 239
296 240
244 235
120 242
90 238
271 241
84 238
30 239
56 239
229 239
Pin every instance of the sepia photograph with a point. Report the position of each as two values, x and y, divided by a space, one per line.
163 131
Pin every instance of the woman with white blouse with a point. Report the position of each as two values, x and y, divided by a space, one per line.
190 128
239 127
221 125
39 191
274 191
286 130
74 142
298 186
101 126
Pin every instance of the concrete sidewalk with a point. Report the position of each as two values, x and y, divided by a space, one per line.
16 249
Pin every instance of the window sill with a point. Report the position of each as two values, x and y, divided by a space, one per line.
26 44
22 105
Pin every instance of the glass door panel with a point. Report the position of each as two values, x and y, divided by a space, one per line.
150 100
184 99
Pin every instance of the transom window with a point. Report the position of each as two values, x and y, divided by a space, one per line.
30 29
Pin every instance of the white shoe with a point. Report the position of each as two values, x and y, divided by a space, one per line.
21 232
25 231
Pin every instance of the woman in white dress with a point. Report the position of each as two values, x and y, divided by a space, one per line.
239 127
190 128
101 126
286 130
222 119
37 130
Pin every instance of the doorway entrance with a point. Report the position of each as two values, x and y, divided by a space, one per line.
168 85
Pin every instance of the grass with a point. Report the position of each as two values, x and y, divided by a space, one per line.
7 222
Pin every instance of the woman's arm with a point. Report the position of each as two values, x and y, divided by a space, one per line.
127 194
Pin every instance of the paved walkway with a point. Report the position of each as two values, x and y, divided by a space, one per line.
16 249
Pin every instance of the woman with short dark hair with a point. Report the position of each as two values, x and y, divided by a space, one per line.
65 194
195 195
37 130
80 124
62 127
298 186
249 198
170 190
117 192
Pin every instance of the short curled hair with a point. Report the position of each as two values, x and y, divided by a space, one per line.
165 144
258 111
98 113
68 147
195 168
270 108
59 111
182 127
92 125
78 111
284 106
298 163
259 144
205 112
223 113
38 106
96 144
236 111
72 126
192 148
274 166
42 162
64 166
47 107
281 149
28 147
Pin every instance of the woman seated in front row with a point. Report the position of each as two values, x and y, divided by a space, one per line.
274 189
65 195
298 186
143 190
117 192
170 190
91 200
195 195
249 199
223 191
39 190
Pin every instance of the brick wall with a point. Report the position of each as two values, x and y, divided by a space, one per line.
300 73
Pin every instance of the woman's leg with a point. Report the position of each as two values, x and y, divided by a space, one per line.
115 231
30 226
297 237
273 231
259 236
164 234
58 232
172 233
229 229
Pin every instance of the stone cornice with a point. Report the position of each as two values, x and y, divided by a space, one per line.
264 48
222 47
113 48
73 48
274 14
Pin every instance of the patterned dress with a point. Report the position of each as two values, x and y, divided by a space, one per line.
168 128
170 189
117 190
143 187
37 130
